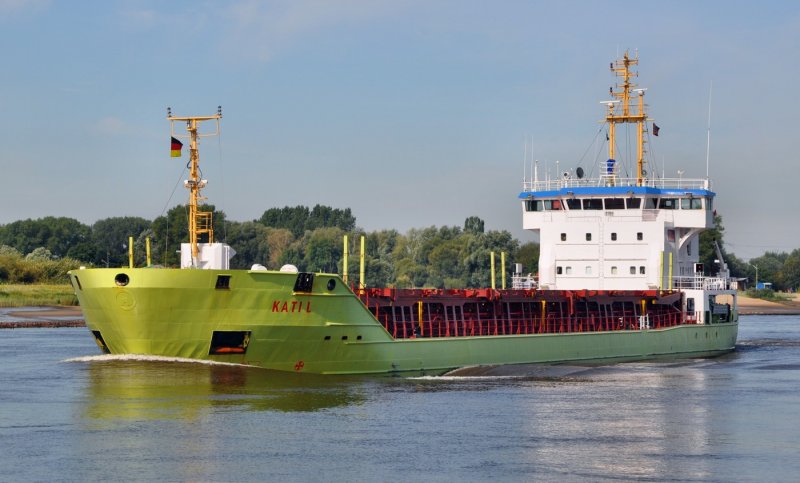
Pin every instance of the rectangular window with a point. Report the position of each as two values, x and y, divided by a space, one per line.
615 203
552 205
633 270
691 204
223 282
668 203
633 203
559 270
563 237
588 270
671 235
592 204
569 271
689 249
574 204
641 270
613 237
639 236
588 237
613 270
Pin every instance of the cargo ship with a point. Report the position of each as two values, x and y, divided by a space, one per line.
619 279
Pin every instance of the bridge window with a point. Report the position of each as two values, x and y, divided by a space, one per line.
668 204
691 204
531 205
615 203
552 205
592 204
573 204
650 203
633 203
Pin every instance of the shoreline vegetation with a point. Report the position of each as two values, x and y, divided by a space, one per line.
37 295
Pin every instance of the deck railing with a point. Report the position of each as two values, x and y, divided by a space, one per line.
703 283
612 181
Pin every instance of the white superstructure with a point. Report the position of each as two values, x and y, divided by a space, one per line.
613 233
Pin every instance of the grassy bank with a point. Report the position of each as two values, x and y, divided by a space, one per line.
13 295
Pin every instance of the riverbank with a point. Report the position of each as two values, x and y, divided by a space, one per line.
27 317
752 306
37 295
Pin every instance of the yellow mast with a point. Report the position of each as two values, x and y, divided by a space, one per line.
200 222
621 68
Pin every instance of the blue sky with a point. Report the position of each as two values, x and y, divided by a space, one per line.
412 113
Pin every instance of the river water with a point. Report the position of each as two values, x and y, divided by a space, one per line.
67 413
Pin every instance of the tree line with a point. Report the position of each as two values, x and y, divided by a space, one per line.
311 239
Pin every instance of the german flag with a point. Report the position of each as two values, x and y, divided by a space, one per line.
176 147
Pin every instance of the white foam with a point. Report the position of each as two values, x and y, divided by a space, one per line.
149 358
464 378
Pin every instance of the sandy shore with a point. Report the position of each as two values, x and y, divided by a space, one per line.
751 306
25 317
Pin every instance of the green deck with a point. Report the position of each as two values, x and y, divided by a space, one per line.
172 312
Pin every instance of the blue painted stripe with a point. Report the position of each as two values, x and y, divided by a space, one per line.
589 191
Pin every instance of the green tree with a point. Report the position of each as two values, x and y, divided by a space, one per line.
250 241
473 225
323 250
528 256
110 239
57 234
770 268
791 270
299 219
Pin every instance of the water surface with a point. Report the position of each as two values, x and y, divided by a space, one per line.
68 413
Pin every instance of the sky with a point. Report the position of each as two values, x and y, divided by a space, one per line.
411 113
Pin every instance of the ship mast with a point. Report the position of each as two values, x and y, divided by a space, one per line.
200 222
625 97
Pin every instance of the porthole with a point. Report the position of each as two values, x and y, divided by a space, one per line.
358 338
121 279
327 337
331 284
344 337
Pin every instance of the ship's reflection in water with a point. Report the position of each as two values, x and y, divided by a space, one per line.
636 421
695 420
127 388
633 421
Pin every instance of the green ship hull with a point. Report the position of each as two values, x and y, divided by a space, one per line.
260 318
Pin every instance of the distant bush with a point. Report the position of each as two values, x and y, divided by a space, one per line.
766 294
14 268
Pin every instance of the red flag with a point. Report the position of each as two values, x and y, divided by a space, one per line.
655 129
176 147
